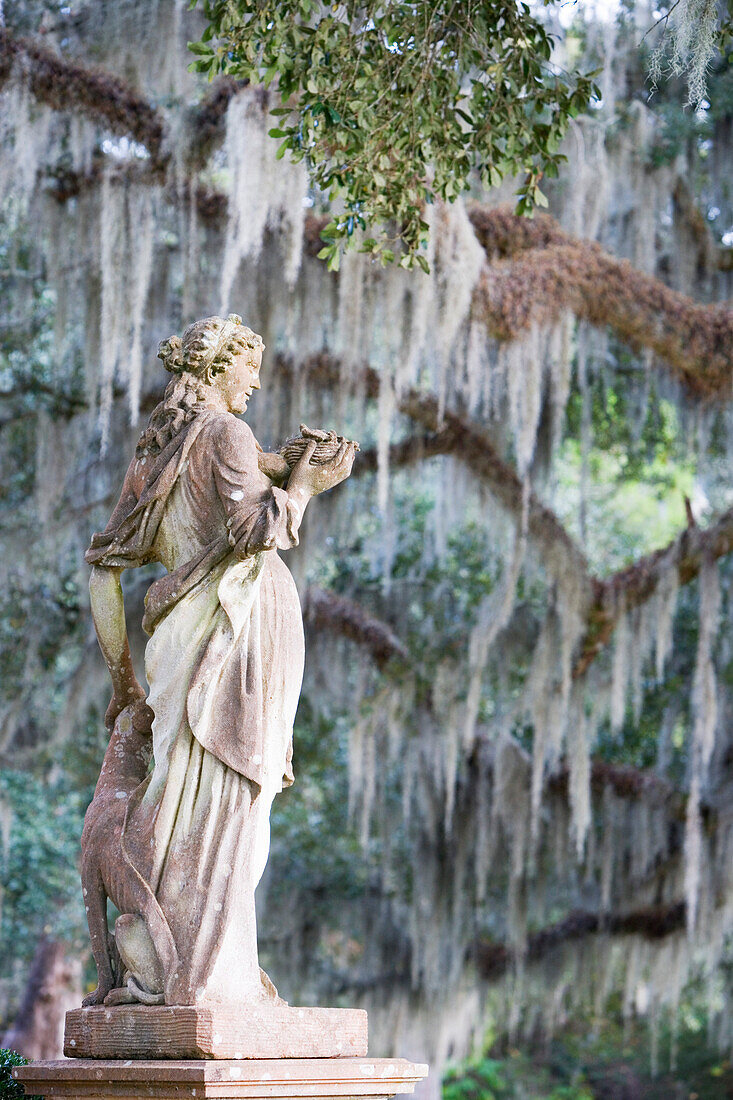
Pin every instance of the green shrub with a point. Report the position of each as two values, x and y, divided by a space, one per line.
10 1089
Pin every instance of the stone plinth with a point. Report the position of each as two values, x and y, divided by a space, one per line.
215 1031
77 1078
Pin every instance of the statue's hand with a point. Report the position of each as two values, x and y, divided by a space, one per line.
313 480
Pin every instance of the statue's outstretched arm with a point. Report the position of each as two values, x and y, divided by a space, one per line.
108 612
273 466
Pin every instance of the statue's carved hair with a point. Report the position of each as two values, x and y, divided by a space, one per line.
206 349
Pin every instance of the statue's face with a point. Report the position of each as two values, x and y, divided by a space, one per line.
239 380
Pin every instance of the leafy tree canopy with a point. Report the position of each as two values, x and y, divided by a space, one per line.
394 104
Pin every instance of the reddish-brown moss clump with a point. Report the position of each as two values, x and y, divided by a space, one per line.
65 85
538 272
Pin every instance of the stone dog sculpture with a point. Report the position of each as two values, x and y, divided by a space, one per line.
106 874
180 848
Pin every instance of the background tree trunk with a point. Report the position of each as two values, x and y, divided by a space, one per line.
54 987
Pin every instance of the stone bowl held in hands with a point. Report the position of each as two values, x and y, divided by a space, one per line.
327 446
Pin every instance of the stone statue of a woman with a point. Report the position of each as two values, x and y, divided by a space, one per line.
224 664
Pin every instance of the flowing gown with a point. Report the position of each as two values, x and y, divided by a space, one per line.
224 665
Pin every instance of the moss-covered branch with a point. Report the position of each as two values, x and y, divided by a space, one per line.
65 85
653 922
546 272
325 610
207 120
626 781
467 440
633 586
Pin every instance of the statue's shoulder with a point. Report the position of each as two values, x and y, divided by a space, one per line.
225 434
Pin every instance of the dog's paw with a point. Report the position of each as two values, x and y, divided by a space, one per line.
96 997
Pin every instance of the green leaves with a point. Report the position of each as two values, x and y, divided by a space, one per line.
11 1089
482 1079
391 105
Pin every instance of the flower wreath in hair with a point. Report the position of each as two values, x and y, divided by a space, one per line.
208 347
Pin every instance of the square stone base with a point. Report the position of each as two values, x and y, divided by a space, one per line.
215 1031
292 1078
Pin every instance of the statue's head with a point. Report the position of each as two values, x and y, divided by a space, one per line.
219 352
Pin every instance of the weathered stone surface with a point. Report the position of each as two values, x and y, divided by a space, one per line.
224 1080
180 851
216 1032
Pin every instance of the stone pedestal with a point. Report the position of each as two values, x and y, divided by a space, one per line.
215 1031
290 1078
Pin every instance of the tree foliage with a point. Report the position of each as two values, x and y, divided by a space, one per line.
394 105
10 1089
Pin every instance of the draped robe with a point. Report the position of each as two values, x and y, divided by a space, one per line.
224 664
